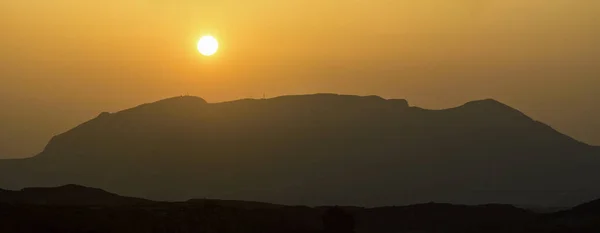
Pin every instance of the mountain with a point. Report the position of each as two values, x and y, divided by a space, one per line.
592 207
34 213
68 195
205 215
234 203
581 218
317 150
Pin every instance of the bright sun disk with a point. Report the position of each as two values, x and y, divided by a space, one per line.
208 45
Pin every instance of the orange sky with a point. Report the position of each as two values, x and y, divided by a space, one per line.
64 61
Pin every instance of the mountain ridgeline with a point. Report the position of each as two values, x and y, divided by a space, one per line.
321 149
67 195
77 209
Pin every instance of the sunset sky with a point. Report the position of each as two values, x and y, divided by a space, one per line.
62 62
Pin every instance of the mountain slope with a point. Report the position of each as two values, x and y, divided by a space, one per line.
318 149
122 214
68 195
592 207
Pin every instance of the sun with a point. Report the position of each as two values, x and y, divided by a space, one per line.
208 45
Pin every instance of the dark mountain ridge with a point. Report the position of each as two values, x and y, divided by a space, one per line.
32 213
67 195
318 149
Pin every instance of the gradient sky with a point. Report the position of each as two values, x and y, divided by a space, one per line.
62 62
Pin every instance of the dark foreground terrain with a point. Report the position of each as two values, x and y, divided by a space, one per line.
77 209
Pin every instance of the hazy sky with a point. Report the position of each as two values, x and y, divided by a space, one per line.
62 62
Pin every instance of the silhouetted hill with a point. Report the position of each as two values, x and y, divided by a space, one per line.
439 217
67 195
592 207
206 215
317 150
584 218
234 203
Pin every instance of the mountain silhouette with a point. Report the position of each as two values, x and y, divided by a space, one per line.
107 212
317 150
68 195
592 207
69 214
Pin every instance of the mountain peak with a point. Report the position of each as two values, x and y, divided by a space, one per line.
72 195
492 108
337 100
173 105
183 98
183 101
488 103
327 97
